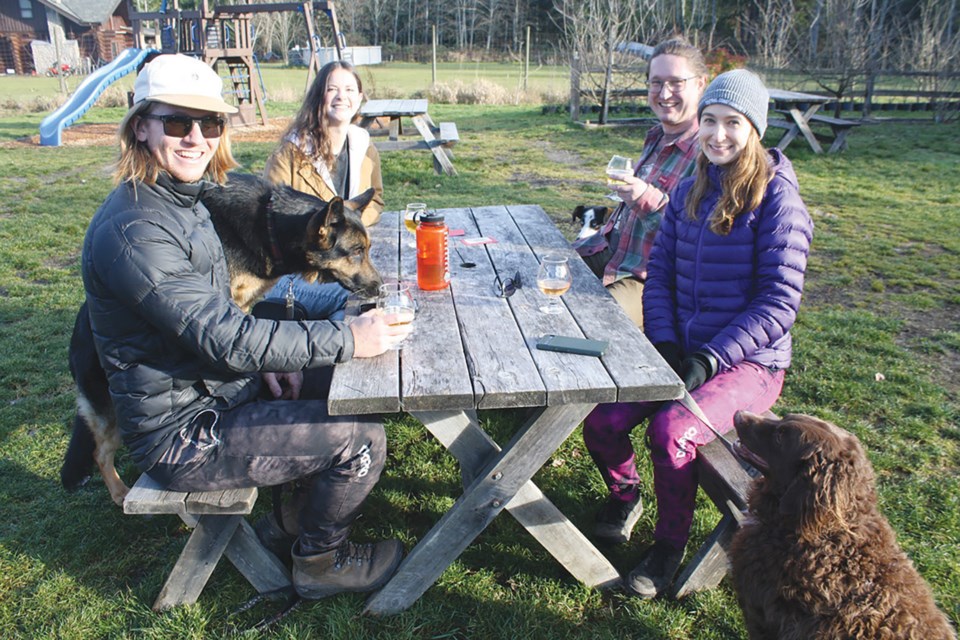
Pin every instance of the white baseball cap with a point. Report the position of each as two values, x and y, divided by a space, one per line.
181 81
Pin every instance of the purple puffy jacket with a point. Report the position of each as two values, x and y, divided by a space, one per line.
735 296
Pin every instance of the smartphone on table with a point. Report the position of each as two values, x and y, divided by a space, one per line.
568 344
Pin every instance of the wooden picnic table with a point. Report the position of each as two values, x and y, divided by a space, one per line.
474 350
801 110
384 117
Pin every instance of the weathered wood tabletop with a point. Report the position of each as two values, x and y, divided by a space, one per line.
474 350
374 112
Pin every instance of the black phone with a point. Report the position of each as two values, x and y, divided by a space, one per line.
566 344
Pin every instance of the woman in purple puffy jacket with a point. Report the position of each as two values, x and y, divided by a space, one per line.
722 292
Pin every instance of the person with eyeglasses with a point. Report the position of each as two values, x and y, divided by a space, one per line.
324 153
206 396
723 290
619 252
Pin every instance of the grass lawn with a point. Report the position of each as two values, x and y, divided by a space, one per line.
877 349
387 80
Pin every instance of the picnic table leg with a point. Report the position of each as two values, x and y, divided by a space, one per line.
439 157
710 564
197 560
396 128
788 137
802 120
839 139
461 434
486 497
260 567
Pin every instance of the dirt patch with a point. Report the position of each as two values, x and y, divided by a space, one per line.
560 156
105 135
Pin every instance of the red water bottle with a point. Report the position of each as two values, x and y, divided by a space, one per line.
433 263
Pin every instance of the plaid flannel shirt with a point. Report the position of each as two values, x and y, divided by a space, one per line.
632 230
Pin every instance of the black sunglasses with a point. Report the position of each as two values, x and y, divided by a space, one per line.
177 126
508 287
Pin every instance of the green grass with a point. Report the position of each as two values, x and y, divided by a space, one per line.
882 297
390 79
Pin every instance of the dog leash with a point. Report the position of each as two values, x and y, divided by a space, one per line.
290 602
691 405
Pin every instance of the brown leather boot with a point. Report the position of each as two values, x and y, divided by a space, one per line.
349 567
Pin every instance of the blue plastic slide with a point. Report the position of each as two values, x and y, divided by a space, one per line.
87 93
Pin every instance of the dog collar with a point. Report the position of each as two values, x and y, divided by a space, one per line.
272 237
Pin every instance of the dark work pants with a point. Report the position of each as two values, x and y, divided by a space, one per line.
270 442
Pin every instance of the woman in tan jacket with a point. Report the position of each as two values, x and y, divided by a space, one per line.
324 153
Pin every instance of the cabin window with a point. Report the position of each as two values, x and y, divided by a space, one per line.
26 9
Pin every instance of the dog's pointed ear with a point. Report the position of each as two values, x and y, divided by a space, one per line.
357 203
323 221
578 212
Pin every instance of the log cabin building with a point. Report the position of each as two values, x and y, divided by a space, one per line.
89 31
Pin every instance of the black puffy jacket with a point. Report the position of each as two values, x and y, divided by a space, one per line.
169 336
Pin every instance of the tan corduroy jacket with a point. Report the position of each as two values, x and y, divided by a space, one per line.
289 165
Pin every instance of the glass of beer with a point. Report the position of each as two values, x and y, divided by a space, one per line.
554 279
411 216
396 302
618 168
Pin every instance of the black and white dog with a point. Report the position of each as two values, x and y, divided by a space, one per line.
590 219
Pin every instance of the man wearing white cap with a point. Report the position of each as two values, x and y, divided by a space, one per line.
184 363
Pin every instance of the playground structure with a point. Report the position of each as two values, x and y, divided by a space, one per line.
222 34
225 34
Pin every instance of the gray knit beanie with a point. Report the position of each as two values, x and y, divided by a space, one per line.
741 90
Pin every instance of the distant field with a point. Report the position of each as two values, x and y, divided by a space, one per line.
400 79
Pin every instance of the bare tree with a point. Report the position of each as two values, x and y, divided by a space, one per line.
772 31
280 31
932 45
839 50
592 31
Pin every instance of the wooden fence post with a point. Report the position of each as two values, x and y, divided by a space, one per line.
575 86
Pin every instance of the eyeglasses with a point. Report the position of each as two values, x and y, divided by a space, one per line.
676 86
178 126
508 287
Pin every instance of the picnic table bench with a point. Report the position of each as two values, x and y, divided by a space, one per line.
219 528
385 118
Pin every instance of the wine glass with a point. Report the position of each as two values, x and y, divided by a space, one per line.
411 216
396 303
554 279
618 168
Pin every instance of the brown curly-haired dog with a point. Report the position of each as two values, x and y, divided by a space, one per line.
815 559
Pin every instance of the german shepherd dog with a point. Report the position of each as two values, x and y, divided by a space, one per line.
267 231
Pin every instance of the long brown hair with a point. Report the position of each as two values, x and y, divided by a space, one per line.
137 164
742 185
311 123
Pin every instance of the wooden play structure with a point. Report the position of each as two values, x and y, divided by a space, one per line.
224 33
